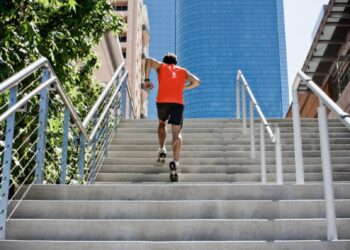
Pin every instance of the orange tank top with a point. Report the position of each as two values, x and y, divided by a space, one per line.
172 80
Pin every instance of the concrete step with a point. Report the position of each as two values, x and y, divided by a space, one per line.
232 136
220 161
211 177
183 191
173 230
224 141
175 245
217 154
219 209
229 169
200 121
203 125
269 147
230 130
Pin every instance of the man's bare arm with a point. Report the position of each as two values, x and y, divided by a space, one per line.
193 80
151 64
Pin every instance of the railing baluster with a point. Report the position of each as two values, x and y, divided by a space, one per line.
117 107
263 153
123 100
279 169
43 112
252 132
298 146
93 164
238 101
244 110
65 146
327 173
105 143
81 157
7 161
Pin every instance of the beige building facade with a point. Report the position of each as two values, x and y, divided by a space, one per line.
134 44
130 47
109 54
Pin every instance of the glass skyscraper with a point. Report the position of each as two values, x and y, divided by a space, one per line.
215 38
161 14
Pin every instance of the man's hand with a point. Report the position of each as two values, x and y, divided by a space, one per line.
148 85
193 81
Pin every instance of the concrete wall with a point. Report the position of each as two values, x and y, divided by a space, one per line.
110 57
344 101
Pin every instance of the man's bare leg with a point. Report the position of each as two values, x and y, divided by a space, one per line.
177 141
162 132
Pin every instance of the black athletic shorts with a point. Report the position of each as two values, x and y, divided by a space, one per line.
172 112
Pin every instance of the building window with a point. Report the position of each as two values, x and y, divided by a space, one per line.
123 39
124 54
120 8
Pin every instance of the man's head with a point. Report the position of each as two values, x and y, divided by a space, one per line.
170 58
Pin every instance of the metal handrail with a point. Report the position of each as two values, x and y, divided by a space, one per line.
101 122
20 76
324 101
275 137
102 96
257 107
24 73
27 98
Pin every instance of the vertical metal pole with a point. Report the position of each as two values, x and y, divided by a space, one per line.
262 153
332 233
65 146
116 111
93 164
123 100
43 112
298 146
238 101
10 127
127 106
105 143
244 110
81 157
252 128
279 171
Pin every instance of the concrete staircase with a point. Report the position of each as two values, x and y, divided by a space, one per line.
219 202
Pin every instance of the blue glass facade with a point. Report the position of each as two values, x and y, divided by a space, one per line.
215 38
161 14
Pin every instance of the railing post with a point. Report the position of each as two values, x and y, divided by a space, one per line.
43 112
263 153
105 143
327 173
244 110
123 100
81 157
117 108
298 146
278 149
238 101
10 127
65 146
93 164
252 134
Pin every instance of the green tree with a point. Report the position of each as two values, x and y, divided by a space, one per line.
64 31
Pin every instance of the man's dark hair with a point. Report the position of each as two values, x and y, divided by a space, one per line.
170 58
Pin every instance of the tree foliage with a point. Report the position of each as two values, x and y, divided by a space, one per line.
64 31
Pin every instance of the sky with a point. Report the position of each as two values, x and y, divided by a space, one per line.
300 20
